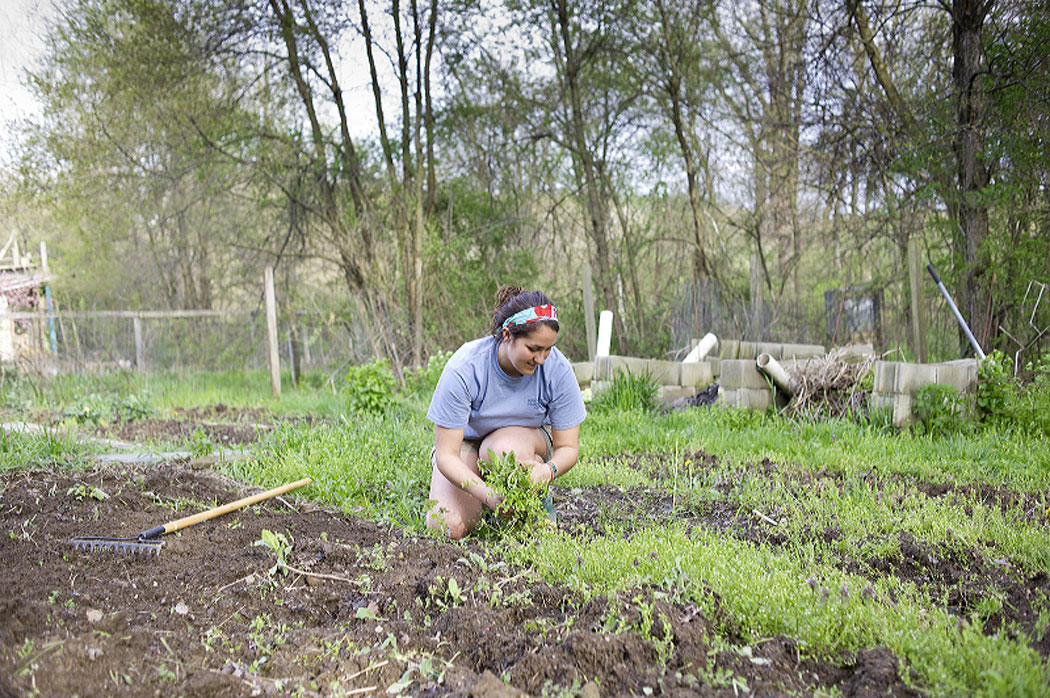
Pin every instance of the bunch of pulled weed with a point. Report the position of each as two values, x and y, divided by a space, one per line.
837 385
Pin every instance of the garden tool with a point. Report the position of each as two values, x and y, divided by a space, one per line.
149 541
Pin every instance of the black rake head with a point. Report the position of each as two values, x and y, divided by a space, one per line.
131 546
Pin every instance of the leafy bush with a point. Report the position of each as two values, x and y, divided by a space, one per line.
91 409
1032 403
424 379
370 387
995 388
940 410
201 444
131 408
1005 400
628 392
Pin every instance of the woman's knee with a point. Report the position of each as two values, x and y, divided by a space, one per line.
447 521
507 442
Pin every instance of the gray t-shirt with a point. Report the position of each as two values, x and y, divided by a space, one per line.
474 393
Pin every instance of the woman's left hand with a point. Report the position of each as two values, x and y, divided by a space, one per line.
539 472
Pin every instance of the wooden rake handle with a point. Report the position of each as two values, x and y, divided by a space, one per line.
187 521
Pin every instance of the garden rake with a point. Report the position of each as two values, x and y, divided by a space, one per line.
149 541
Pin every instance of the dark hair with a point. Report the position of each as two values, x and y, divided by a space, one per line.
512 299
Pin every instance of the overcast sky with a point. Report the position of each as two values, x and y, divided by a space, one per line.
22 25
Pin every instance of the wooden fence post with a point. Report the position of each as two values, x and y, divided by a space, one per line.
140 359
271 333
588 311
755 277
918 316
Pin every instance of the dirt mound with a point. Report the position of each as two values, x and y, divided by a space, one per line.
354 607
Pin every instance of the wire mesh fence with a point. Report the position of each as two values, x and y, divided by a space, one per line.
101 341
878 314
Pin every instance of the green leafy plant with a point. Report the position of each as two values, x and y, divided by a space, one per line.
1032 407
522 503
424 379
87 410
628 392
280 545
132 408
940 410
200 443
370 387
79 492
995 388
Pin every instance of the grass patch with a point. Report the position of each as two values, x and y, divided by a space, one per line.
47 448
771 594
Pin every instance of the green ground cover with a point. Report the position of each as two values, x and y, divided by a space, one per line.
866 483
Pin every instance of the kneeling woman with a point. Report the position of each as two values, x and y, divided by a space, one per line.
510 391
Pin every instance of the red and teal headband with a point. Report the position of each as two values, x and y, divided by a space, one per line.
533 314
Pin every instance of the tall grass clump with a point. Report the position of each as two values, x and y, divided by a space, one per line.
48 448
627 392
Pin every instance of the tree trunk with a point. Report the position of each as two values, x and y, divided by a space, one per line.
586 169
683 133
973 175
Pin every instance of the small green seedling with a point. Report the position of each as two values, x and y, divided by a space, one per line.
79 492
280 545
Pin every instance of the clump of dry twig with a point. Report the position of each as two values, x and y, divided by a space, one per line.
833 385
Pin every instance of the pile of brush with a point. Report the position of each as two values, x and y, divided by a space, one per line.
835 385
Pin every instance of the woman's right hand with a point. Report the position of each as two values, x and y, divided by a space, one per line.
492 500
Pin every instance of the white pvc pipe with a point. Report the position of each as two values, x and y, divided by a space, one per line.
772 368
702 349
605 319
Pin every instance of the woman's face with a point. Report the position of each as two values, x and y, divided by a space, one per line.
526 352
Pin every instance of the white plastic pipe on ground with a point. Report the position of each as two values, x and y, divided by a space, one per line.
702 349
604 333
772 368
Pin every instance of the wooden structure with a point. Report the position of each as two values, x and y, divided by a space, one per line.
23 287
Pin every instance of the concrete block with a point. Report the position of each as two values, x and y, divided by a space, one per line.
755 399
605 367
584 372
670 393
732 374
801 351
855 353
774 349
729 349
961 374
716 366
727 397
665 372
884 376
742 373
902 410
698 375
911 377
598 386
747 350
881 401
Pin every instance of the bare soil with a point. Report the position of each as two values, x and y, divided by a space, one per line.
224 426
359 608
